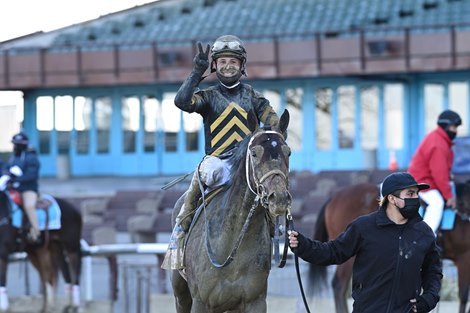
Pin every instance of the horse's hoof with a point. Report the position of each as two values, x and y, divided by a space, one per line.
70 309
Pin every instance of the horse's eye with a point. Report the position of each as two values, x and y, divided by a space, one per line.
257 151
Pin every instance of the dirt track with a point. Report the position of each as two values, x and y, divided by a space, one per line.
165 304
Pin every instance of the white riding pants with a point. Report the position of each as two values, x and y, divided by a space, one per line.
214 172
435 202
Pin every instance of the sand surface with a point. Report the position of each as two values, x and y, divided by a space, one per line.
165 304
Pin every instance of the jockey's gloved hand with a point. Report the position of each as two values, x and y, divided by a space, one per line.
201 60
4 181
15 170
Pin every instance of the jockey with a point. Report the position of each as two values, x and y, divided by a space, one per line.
23 170
224 108
432 164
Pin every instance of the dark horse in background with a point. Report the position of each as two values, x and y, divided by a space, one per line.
353 201
58 249
229 249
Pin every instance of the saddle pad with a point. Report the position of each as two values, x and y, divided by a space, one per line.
53 212
448 219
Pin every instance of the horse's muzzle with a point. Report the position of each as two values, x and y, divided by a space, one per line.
278 202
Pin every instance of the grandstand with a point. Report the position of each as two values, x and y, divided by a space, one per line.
363 79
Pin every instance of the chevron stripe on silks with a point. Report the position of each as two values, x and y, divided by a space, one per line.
228 129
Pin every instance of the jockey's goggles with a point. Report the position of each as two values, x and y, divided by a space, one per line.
231 45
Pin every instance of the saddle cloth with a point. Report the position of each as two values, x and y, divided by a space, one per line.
448 218
53 212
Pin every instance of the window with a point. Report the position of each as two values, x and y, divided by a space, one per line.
171 121
152 119
369 117
82 124
433 105
130 113
323 128
393 108
192 124
458 102
44 123
346 116
103 111
294 106
63 122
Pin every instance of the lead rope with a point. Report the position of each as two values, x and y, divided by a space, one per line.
290 226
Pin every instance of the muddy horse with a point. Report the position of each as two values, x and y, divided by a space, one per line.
229 249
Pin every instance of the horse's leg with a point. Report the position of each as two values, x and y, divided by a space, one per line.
340 285
41 259
181 292
71 269
463 282
4 305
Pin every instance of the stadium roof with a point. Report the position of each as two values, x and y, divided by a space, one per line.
178 21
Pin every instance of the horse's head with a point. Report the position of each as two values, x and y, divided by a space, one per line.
267 165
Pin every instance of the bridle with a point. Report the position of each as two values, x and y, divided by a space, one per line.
259 189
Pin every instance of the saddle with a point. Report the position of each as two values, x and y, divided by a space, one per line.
41 203
47 209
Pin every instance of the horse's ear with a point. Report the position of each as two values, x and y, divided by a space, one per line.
253 123
284 122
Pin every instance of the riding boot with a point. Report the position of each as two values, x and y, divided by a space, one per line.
174 256
185 216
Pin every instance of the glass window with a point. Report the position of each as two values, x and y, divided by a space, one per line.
192 124
130 112
346 116
63 122
103 112
433 105
274 98
323 128
44 122
294 106
458 102
171 121
82 123
369 117
152 118
393 110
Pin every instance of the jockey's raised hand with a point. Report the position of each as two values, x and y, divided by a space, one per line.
201 60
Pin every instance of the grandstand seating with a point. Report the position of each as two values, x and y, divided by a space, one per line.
254 20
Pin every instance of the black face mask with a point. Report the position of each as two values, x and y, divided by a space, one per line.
411 207
451 134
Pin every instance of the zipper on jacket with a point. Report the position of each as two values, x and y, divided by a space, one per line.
397 270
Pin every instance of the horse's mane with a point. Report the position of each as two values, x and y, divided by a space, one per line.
237 160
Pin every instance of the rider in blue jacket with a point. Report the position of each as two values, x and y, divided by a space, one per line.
26 179
398 267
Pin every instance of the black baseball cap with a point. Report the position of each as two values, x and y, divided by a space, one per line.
399 181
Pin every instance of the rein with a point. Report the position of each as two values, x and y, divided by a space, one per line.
290 226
